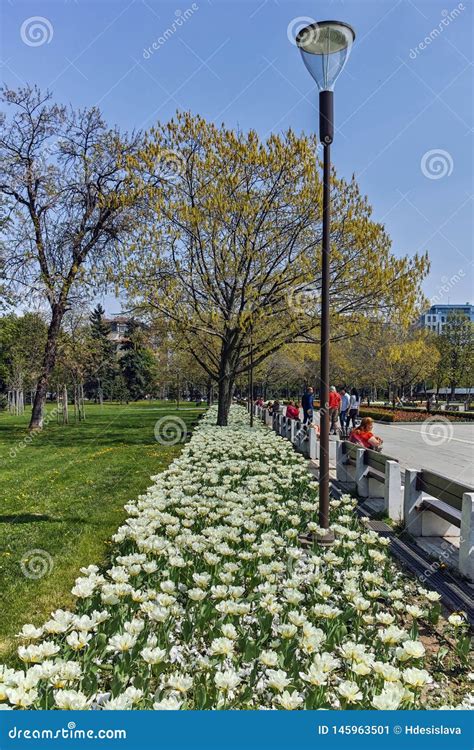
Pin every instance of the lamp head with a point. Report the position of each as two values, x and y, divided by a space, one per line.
325 47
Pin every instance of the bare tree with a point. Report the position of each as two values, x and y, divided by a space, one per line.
70 206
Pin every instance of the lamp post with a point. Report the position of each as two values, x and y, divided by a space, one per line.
325 47
251 376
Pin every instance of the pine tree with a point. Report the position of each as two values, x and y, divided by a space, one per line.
105 366
137 363
99 328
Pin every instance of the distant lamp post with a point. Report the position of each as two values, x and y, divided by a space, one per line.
325 47
250 384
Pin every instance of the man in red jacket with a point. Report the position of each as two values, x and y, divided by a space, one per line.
334 406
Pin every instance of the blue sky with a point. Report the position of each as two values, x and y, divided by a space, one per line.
403 105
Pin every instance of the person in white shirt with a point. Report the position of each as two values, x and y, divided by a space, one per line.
345 402
354 405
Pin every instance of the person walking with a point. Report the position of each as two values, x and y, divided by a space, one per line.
334 406
345 402
308 405
354 404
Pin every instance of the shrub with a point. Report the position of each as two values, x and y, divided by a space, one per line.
412 415
380 415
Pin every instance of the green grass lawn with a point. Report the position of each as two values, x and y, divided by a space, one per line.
63 493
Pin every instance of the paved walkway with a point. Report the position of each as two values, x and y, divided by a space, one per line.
448 450
456 594
441 446
444 447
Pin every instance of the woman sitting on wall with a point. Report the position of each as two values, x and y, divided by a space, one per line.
364 436
292 411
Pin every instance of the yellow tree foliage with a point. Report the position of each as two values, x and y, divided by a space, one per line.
386 356
411 360
229 247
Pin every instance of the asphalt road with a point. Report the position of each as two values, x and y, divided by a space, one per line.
444 447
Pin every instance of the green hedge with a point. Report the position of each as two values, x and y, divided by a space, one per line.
380 415
411 410
463 415
410 415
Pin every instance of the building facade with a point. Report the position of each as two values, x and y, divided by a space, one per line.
118 330
435 318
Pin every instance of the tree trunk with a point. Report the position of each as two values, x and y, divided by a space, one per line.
209 392
99 393
49 359
82 401
225 383
65 406
226 386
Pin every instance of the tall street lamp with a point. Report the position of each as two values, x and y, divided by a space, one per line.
325 47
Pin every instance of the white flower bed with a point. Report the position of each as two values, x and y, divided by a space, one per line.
211 602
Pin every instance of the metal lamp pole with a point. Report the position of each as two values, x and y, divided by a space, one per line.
325 47
251 375
326 136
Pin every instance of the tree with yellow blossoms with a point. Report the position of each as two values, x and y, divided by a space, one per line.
229 250
408 359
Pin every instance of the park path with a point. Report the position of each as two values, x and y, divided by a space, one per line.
416 448
447 450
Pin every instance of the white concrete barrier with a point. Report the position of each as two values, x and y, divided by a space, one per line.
372 475
343 473
281 422
393 499
313 444
361 478
361 469
466 547
301 441
436 506
411 498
